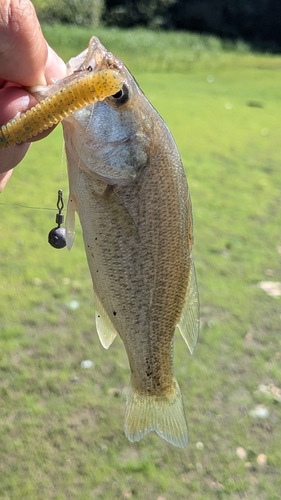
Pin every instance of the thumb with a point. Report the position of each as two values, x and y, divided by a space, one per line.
24 53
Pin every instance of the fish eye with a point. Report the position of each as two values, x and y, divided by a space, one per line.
118 94
90 68
122 96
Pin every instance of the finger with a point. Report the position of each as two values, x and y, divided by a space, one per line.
13 101
24 52
23 49
55 68
11 157
4 179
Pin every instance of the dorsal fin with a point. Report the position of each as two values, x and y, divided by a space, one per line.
189 322
105 328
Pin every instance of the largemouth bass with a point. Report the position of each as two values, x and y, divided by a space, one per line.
128 185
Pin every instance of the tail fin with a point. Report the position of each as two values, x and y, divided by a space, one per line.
162 414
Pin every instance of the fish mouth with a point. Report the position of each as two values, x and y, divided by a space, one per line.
94 58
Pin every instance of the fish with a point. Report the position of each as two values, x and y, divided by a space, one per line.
128 186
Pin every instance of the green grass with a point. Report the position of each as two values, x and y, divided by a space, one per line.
61 434
160 51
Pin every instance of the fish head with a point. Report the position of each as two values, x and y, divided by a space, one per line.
110 139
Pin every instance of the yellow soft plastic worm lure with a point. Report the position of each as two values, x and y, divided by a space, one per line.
79 91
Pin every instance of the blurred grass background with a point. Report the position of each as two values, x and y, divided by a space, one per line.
61 434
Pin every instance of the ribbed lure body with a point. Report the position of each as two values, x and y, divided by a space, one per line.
76 92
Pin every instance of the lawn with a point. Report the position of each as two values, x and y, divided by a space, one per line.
61 434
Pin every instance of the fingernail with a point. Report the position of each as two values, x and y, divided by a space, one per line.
23 103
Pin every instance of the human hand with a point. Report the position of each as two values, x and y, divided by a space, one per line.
25 60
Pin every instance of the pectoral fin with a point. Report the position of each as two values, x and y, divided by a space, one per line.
70 221
189 322
105 328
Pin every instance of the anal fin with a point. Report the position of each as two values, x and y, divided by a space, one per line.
105 328
189 322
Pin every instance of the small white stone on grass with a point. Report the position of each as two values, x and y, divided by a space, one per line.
263 388
87 363
271 288
73 305
259 412
241 453
262 460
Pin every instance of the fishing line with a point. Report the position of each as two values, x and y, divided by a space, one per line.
83 142
63 163
16 205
